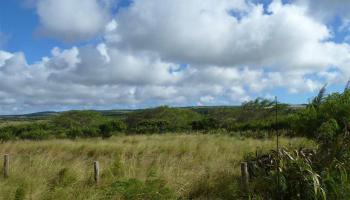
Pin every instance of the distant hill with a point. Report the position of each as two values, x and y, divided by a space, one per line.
30 115
123 112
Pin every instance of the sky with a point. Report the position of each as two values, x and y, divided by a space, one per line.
125 54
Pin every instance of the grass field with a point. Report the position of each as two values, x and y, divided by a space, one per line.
192 166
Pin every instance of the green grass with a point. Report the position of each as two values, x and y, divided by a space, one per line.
193 166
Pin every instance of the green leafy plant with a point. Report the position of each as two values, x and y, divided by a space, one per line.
295 178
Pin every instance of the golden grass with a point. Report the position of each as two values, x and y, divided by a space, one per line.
182 160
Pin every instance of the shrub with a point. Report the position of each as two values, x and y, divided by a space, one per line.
161 119
106 130
35 134
297 177
207 123
78 123
324 109
74 132
92 131
5 135
328 131
73 119
152 126
118 125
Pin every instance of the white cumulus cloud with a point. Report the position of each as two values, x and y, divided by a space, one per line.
72 20
183 52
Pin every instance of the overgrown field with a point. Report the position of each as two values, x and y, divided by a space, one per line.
167 166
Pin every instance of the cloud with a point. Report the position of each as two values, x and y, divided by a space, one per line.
201 52
4 56
102 65
83 77
203 33
326 9
72 20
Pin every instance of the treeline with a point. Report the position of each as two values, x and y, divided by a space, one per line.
254 118
71 124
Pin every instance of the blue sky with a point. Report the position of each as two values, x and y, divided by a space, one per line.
76 54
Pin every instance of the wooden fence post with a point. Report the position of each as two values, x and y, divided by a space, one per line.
96 172
245 175
6 165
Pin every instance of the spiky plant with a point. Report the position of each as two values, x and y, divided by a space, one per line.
297 178
320 96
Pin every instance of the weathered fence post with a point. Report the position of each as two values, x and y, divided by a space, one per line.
96 172
6 165
245 176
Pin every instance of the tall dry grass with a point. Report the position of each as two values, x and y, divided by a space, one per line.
194 166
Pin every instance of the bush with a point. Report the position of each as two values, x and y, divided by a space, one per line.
334 109
73 119
297 177
6 135
78 123
324 174
161 119
207 123
152 126
110 127
106 130
74 132
92 131
118 125
35 134
328 131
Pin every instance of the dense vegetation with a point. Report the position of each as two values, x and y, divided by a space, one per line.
319 172
254 118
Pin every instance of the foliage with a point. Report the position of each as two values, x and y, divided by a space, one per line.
106 130
152 126
33 131
73 119
78 123
328 131
334 107
261 108
161 119
297 178
35 134
316 102
5 135
321 176
71 124
118 125
256 116
206 123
